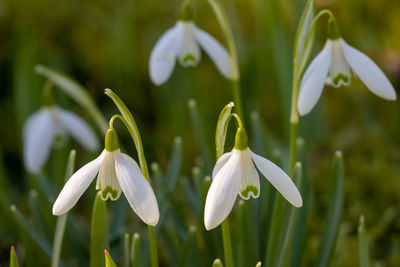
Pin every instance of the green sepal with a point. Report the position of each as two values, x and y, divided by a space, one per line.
111 140
333 29
186 12
241 140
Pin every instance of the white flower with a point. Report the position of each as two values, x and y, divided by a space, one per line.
117 172
333 66
235 173
183 42
43 126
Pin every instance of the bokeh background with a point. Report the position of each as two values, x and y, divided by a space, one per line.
106 44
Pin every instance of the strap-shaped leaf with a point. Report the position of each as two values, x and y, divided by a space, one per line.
98 232
363 254
13 258
108 259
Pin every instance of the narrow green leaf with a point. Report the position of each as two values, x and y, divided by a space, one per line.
188 255
258 264
62 220
363 254
331 228
109 261
174 165
199 134
136 251
132 128
76 91
217 263
191 196
38 218
287 237
31 232
302 45
98 232
126 250
222 127
13 258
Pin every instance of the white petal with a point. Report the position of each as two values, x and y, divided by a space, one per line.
223 192
279 179
250 181
76 185
221 162
371 75
216 52
137 190
38 134
339 71
189 54
107 179
78 128
313 80
163 57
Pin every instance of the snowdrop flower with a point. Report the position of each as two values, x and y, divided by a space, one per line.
43 126
182 42
117 172
235 173
334 66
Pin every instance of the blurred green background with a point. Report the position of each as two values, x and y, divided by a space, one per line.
106 44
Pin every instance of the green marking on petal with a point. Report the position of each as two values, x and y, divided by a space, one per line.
340 77
109 192
249 188
188 58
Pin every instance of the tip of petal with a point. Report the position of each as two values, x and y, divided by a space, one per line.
57 211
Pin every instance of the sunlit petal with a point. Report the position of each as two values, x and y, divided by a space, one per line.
223 192
279 179
136 189
221 162
76 185
313 80
371 75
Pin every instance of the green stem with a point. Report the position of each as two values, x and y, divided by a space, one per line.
153 246
226 28
226 239
294 122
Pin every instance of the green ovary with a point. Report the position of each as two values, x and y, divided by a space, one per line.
250 188
109 191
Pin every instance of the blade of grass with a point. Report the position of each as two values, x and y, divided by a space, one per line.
363 254
136 251
13 258
331 228
99 232
174 165
188 255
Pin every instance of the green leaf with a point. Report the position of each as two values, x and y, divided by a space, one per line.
201 140
363 254
222 127
126 250
109 261
303 46
31 232
258 264
188 255
217 263
174 165
136 251
62 220
98 232
13 258
331 228
76 91
132 128
287 237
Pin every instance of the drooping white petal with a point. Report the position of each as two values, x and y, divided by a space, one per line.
221 162
107 179
223 192
313 80
189 54
76 185
136 189
164 54
216 52
38 134
371 75
78 128
250 181
339 71
279 179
